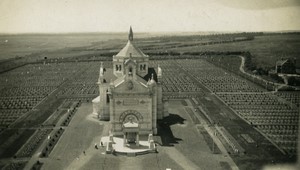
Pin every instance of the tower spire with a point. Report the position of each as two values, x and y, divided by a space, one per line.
101 74
130 36
101 70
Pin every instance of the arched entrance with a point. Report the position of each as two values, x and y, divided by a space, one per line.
131 128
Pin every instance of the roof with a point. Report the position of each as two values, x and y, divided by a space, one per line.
108 75
149 75
281 62
96 100
129 60
130 51
131 125
139 84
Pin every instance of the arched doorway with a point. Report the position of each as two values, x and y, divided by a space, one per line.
131 127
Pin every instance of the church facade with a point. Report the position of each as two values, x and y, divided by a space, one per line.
130 94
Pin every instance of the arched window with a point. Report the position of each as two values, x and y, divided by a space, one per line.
141 67
120 67
130 71
117 67
144 68
107 97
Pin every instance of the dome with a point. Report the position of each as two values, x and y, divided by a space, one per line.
151 81
159 71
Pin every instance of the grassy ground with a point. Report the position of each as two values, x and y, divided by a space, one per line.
11 147
265 49
20 45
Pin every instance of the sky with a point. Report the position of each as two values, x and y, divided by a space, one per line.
64 16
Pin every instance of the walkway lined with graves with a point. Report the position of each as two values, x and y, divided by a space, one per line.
30 106
260 108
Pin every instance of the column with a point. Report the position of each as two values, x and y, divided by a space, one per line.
137 139
124 139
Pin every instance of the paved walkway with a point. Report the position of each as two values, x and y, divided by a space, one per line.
224 156
177 156
76 145
221 147
205 159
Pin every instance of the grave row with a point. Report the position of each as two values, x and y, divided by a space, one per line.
217 79
26 91
273 117
23 102
30 147
80 90
291 96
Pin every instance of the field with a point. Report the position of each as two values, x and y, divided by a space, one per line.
266 49
215 113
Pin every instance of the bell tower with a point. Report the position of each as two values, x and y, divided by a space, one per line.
130 52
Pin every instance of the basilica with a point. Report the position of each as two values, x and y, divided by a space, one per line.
130 94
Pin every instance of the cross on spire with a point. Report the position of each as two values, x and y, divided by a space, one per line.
130 35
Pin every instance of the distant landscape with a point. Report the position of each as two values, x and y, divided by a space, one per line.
266 48
19 45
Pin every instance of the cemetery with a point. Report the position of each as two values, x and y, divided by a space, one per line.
273 114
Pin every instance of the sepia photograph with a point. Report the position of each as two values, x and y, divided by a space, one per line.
149 84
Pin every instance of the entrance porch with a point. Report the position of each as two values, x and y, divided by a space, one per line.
131 133
130 149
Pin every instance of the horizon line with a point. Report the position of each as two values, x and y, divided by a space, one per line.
142 32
